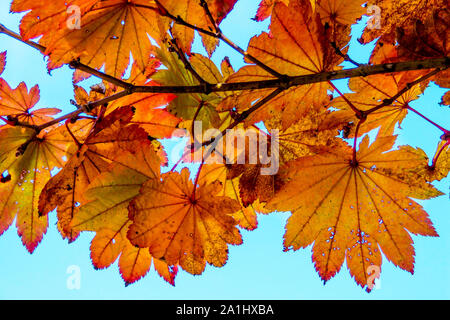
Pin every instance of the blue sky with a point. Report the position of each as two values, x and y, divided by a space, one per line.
259 269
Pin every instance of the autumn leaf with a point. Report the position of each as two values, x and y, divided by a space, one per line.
105 212
65 191
338 16
399 14
308 136
265 9
246 216
19 103
194 13
186 106
352 209
340 11
109 31
296 45
317 130
27 160
182 224
151 112
369 92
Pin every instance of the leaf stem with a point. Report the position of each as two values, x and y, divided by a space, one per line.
174 46
346 57
427 119
354 162
433 165
359 113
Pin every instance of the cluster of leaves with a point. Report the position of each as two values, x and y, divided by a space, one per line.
351 202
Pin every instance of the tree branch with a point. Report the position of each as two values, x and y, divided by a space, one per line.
291 81
285 81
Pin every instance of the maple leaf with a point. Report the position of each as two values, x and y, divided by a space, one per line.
369 92
105 212
350 209
265 9
195 14
109 31
340 11
186 106
308 136
88 159
150 112
41 18
183 224
246 216
296 45
18 104
427 38
400 14
27 160
150 109
338 16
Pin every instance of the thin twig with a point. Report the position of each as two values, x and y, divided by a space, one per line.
427 119
293 81
174 46
17 36
205 6
358 112
345 56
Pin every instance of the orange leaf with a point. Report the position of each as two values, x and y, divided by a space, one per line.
18 103
27 170
296 45
245 216
193 13
353 210
182 224
265 9
105 212
107 138
109 30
